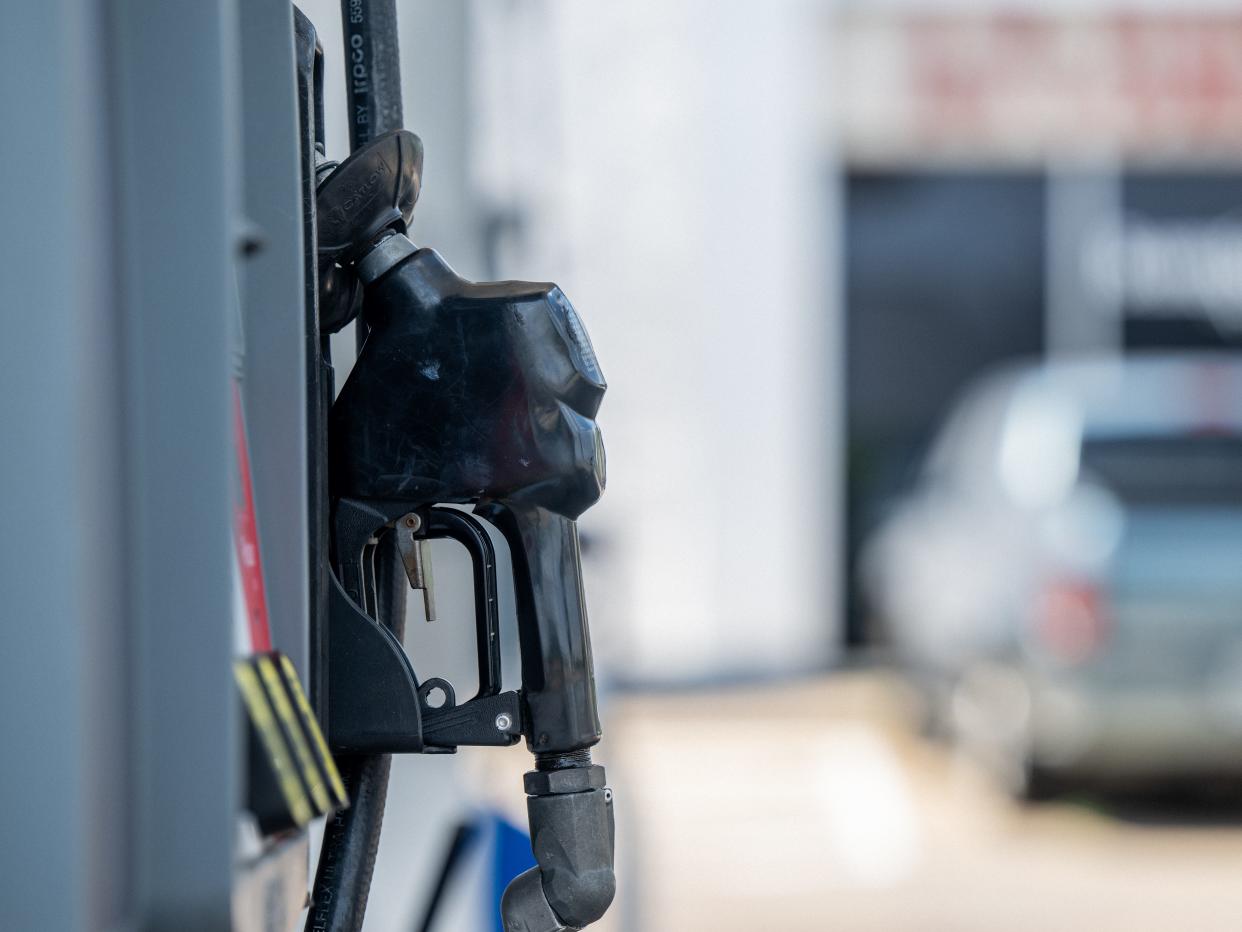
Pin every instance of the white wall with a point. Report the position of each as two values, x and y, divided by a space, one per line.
676 183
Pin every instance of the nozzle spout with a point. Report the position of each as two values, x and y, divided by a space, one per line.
572 836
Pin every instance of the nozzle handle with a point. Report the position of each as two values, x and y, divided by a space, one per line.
558 676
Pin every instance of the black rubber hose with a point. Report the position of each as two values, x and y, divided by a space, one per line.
372 80
351 842
372 69
351 839
350 845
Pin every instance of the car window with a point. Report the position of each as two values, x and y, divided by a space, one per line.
1167 470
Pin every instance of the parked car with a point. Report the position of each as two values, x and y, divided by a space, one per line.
1066 578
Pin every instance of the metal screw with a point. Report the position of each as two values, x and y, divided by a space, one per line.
607 795
412 521
503 722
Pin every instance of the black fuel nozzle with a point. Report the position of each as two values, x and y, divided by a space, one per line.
486 394
479 393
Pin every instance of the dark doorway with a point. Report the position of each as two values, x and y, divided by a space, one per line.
944 279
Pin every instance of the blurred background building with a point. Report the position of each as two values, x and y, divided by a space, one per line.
901 536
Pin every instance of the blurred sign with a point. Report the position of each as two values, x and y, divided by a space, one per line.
1139 259
1160 270
1171 261
1013 86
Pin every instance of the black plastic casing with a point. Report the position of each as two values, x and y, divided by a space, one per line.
486 394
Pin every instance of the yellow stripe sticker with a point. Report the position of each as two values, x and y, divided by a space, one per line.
312 728
280 699
269 732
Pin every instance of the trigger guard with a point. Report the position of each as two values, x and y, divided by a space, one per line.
467 530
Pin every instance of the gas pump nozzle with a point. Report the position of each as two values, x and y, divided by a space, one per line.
485 394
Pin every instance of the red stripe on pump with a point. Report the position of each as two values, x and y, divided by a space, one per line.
246 537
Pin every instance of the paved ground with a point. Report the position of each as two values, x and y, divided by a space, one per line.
813 807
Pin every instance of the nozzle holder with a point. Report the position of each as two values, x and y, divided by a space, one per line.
373 190
376 704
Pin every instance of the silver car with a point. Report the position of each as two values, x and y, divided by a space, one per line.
1067 575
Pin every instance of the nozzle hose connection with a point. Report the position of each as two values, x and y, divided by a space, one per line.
389 250
555 761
